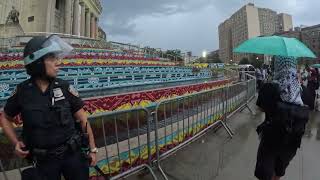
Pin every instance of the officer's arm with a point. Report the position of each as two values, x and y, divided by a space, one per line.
6 123
82 117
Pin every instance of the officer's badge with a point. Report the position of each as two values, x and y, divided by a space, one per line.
58 94
73 91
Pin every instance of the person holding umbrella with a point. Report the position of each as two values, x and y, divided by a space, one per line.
281 101
285 113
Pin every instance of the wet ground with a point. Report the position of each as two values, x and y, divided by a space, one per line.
217 157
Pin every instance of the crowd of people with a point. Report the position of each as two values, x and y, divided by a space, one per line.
262 74
309 79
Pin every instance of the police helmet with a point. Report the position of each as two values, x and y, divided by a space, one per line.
40 47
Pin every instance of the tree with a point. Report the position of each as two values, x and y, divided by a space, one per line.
200 60
256 61
173 55
244 61
218 60
213 57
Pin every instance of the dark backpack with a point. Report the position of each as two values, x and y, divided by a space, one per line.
285 122
293 117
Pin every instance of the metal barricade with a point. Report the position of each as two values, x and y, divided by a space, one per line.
3 171
124 141
252 84
236 98
132 140
181 120
10 165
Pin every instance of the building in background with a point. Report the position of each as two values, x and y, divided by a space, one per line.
248 22
73 17
101 34
268 21
225 41
310 36
284 22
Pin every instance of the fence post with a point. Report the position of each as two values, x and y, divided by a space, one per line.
248 90
3 171
225 99
149 117
155 118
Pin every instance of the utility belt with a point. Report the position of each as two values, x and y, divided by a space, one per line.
73 145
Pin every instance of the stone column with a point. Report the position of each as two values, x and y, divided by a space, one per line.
92 26
76 14
97 28
67 16
88 18
50 15
83 19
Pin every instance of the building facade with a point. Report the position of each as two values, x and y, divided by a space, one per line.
268 21
248 22
74 17
310 36
225 41
284 22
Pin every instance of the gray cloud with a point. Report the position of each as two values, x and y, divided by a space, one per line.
186 24
119 14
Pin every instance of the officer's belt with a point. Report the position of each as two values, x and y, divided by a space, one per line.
56 152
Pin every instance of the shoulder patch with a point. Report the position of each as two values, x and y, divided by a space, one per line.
73 91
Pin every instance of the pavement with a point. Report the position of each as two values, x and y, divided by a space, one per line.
215 156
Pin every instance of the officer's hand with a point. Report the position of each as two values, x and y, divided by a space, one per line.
19 150
93 158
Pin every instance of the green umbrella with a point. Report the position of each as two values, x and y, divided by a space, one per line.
275 45
315 65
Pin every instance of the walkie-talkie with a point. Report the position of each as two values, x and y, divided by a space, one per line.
84 138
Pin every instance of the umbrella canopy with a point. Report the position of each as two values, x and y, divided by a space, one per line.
315 65
275 45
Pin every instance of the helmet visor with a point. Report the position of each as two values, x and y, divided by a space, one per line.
53 45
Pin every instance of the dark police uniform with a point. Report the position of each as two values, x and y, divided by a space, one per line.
48 127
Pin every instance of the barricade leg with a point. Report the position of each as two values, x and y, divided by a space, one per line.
154 114
225 112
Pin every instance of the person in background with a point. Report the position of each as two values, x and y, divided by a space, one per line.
259 77
304 78
312 86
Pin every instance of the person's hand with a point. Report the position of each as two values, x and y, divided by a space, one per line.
19 150
93 159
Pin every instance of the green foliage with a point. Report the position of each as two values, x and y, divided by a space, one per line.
257 63
173 55
244 61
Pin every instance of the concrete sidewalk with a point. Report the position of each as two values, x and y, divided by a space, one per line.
217 157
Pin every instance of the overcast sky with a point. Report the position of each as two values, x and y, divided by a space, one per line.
189 25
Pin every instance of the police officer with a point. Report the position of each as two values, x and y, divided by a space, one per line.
50 109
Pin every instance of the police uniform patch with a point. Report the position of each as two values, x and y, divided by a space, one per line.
58 94
73 91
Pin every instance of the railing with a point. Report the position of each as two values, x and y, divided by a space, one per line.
138 139
97 78
72 39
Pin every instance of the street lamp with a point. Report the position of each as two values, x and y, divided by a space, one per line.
204 54
257 58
